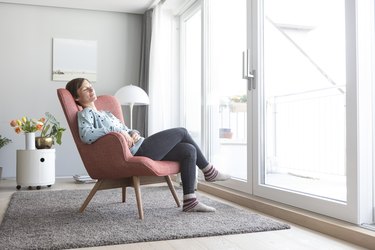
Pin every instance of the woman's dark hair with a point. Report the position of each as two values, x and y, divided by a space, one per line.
73 85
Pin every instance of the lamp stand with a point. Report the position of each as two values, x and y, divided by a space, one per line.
131 115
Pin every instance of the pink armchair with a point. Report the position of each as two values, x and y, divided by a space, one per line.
109 159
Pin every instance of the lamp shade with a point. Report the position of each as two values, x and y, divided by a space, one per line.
132 95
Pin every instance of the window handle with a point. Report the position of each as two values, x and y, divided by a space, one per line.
247 73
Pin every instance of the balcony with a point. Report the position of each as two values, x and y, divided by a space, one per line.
305 141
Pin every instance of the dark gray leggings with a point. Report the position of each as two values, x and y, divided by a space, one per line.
176 144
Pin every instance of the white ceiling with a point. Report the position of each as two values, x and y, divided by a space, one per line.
128 6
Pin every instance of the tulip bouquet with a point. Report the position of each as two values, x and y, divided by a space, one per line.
27 125
49 127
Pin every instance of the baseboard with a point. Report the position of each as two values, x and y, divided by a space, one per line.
326 225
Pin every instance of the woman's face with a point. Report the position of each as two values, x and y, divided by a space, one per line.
86 94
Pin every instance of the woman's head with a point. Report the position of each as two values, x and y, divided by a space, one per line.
73 85
82 91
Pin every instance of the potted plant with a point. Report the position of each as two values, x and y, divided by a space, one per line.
3 142
238 103
51 133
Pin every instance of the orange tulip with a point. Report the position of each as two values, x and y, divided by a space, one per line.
13 123
18 130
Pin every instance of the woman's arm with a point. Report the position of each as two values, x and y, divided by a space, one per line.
88 132
128 138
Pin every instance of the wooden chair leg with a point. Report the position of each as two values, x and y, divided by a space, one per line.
91 194
123 194
137 189
173 191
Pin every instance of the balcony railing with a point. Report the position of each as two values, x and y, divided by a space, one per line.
308 131
305 131
233 122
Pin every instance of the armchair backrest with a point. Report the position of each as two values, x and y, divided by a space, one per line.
90 152
71 108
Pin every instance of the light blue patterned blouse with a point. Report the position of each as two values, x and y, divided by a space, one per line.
94 124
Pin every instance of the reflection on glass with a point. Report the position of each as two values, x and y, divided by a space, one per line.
304 96
227 96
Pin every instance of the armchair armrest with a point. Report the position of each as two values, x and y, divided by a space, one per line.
105 155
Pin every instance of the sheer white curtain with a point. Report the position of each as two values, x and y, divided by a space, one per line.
160 87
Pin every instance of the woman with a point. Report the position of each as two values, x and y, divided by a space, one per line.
170 145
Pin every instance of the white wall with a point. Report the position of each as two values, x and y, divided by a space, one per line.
26 86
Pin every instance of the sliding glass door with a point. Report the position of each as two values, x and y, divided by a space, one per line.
273 98
304 97
226 103
214 103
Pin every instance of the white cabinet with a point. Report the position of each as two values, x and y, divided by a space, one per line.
35 168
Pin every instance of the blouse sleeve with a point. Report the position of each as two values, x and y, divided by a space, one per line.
88 132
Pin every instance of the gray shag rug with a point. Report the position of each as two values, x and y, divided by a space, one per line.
50 219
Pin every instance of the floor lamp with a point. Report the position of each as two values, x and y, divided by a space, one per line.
132 95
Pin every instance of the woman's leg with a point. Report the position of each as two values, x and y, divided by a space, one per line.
158 145
177 145
186 155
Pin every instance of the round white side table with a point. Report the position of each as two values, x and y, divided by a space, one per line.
35 168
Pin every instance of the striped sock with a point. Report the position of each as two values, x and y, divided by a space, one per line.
191 204
190 201
211 174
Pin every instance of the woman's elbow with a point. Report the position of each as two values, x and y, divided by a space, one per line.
86 139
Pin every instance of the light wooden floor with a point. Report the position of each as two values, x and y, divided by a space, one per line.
295 238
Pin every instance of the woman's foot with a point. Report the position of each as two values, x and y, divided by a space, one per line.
191 204
211 174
